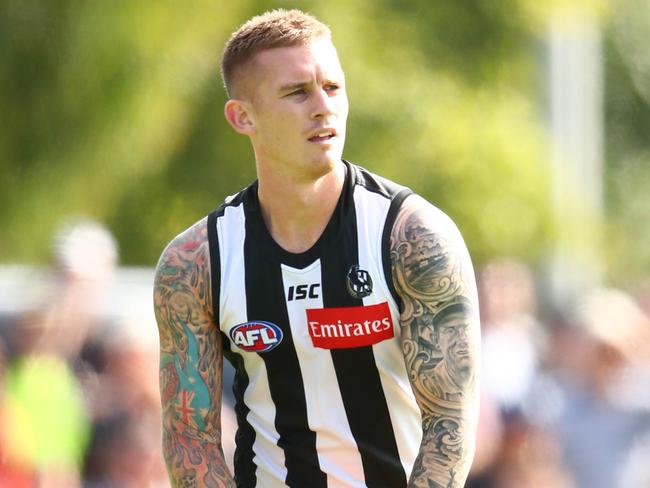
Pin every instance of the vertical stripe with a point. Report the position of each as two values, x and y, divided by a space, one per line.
265 301
269 458
337 452
231 289
215 263
245 435
357 374
395 205
373 214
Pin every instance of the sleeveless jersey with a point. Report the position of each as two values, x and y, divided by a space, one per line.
322 393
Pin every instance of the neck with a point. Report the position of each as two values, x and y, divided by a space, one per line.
297 210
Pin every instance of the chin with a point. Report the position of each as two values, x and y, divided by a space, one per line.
321 167
328 160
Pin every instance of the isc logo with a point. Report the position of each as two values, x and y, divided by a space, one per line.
256 336
300 292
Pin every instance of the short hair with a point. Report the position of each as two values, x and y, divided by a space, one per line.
272 29
459 305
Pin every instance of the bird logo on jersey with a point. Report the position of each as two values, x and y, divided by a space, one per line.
359 282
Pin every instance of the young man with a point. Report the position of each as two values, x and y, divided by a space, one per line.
317 282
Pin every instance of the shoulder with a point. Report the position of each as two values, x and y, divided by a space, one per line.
417 220
182 277
375 183
428 254
187 251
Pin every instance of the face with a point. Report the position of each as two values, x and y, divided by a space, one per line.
452 335
297 107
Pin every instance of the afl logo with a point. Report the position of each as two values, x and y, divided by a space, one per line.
257 336
359 282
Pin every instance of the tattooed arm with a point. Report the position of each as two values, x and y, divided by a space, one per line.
440 338
190 363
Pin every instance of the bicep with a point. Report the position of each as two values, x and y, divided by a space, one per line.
190 344
433 275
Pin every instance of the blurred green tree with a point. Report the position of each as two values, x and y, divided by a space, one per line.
114 110
627 141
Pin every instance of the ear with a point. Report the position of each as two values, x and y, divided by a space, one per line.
238 115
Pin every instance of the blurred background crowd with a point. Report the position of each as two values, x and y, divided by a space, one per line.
565 400
79 402
525 121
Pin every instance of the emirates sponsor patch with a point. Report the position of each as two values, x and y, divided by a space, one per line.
346 327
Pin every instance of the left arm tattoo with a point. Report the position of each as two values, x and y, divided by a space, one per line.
440 339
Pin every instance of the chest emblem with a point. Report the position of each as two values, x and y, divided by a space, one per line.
359 282
256 336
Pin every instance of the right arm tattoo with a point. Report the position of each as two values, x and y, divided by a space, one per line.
440 339
190 364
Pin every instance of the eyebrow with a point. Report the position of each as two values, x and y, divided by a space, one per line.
294 86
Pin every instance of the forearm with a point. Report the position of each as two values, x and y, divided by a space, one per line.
195 460
446 453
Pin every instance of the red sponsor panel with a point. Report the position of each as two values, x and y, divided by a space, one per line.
345 327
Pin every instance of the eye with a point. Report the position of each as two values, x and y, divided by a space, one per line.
296 93
332 87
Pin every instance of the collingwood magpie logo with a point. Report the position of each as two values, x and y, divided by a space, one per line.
359 282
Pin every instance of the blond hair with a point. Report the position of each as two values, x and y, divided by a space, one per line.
272 29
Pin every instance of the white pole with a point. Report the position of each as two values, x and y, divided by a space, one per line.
576 127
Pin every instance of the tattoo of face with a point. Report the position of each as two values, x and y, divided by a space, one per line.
429 275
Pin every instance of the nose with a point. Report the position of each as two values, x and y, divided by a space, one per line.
462 333
323 104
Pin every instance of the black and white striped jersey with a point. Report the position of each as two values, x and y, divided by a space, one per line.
321 388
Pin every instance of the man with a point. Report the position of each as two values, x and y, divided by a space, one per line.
308 281
447 332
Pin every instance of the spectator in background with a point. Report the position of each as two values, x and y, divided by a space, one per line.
597 360
513 339
124 450
44 397
635 472
642 296
13 472
512 450
527 457
81 407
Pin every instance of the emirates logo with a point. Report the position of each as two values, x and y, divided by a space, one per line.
347 327
359 282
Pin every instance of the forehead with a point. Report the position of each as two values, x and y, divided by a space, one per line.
453 320
298 63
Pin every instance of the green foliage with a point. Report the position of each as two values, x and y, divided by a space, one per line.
470 143
113 110
627 116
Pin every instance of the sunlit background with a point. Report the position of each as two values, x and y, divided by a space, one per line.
527 122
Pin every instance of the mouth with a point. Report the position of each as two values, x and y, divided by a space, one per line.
322 135
462 352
